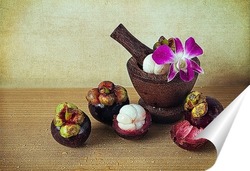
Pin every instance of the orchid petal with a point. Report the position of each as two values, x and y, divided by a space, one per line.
178 46
192 49
172 72
163 54
196 67
187 74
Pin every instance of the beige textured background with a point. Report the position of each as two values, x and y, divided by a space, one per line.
67 44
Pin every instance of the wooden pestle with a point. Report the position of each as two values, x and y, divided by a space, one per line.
136 48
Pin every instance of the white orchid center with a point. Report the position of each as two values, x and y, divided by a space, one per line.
181 65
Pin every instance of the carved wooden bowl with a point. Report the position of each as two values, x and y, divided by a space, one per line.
164 100
155 90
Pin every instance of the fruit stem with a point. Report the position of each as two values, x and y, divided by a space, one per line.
136 48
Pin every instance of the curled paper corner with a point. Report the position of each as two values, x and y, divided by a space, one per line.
229 132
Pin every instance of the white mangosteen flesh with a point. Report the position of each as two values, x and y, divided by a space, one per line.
149 66
131 117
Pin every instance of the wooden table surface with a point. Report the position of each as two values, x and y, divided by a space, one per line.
26 142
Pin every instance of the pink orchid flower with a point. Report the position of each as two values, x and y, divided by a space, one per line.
180 61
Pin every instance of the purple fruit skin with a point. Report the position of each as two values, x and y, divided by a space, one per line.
214 109
133 135
106 114
188 142
75 141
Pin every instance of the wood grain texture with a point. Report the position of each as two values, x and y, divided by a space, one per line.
26 142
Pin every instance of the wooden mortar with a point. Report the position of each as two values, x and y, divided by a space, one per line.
163 99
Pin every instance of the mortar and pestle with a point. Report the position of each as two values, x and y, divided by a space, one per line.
164 100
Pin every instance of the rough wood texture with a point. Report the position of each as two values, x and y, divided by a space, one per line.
26 142
132 44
